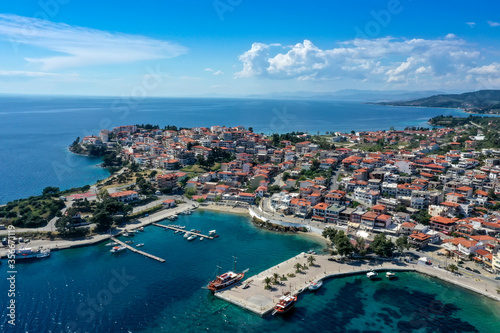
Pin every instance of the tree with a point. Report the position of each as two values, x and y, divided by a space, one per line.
382 246
50 191
311 260
343 244
330 233
360 247
103 195
422 216
297 266
276 277
453 268
267 282
402 243
285 176
103 221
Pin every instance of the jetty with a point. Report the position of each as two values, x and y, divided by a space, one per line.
182 230
133 249
261 301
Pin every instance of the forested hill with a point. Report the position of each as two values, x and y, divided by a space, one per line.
482 101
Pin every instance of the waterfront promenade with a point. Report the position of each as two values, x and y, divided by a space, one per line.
261 301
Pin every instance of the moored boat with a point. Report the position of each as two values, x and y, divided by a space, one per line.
223 281
315 285
112 244
117 249
202 238
139 245
390 275
28 253
211 232
192 237
371 275
187 234
285 304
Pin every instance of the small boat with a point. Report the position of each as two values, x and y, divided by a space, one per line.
129 242
117 249
136 231
139 245
285 304
125 234
190 238
202 238
176 231
141 229
246 285
187 234
211 232
216 236
315 285
112 244
390 275
371 275
181 226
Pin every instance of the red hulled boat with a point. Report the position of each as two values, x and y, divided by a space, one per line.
285 304
225 280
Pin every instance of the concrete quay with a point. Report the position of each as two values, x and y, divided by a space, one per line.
261 301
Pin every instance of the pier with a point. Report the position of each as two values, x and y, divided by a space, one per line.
261 301
182 230
133 249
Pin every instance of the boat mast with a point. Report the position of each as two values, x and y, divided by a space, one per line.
234 266
218 269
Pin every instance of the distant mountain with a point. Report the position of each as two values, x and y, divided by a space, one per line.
482 101
350 95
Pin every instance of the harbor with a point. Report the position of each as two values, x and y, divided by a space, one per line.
259 300
133 249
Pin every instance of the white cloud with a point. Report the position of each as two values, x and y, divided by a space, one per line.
387 59
34 74
208 70
492 69
218 73
80 46
493 24
471 24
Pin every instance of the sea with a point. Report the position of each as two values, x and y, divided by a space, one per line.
35 131
90 289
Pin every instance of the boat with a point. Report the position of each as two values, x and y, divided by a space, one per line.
112 244
125 234
190 238
129 242
136 231
117 249
187 234
371 275
390 275
141 229
28 253
285 304
139 245
315 285
247 285
211 232
223 281
202 238
176 231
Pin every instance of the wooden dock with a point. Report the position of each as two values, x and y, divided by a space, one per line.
133 249
182 230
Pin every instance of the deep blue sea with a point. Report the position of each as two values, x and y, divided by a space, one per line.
91 290
36 131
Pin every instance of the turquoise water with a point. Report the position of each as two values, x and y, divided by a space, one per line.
57 294
36 131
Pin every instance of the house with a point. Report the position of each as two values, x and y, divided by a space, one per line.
442 224
406 228
125 196
419 239
168 180
169 203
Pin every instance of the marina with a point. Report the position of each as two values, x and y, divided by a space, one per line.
177 229
133 249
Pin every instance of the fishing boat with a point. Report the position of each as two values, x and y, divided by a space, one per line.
192 237
117 249
285 304
223 281
371 275
315 285
390 275
211 232
139 245
28 253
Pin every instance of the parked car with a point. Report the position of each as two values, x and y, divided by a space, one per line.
476 271
468 268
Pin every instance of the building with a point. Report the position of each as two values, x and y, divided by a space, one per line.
125 196
168 180
442 224
169 203
419 239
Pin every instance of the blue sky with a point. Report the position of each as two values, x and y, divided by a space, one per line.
240 47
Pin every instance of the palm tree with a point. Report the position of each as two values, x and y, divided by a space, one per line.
305 266
276 276
311 260
267 281
297 266
283 278
452 268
